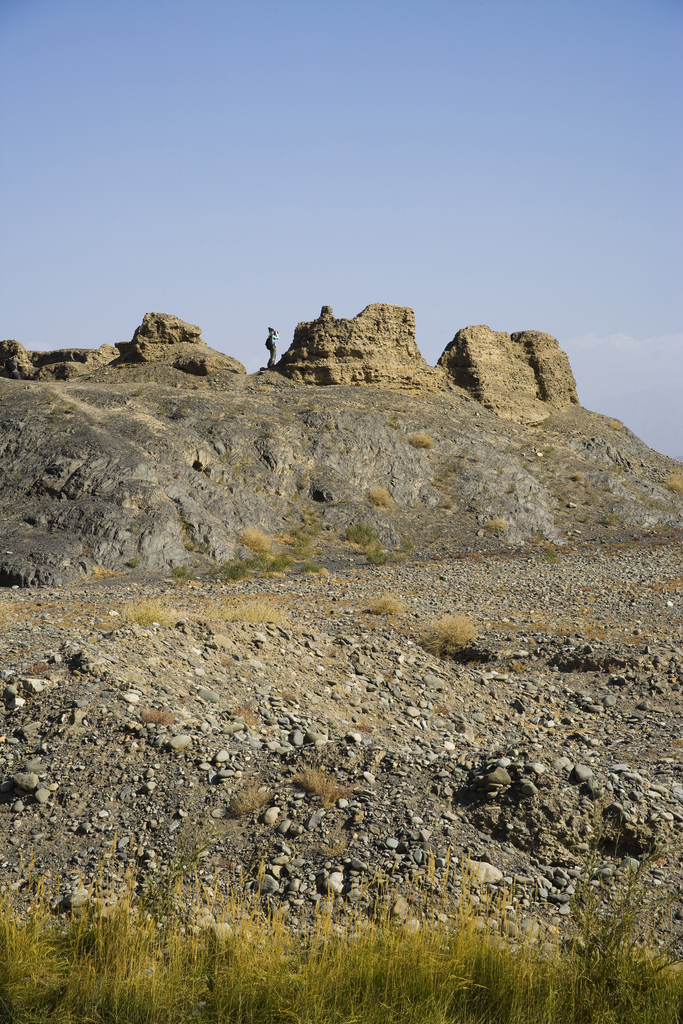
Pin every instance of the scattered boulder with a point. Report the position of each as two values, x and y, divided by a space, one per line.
377 347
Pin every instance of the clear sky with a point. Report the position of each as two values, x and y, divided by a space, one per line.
239 164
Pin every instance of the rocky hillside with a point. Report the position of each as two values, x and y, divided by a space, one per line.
164 455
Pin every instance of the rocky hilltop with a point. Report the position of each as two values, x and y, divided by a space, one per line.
166 453
218 592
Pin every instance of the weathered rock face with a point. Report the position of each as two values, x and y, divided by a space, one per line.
64 363
377 347
8 348
164 338
522 377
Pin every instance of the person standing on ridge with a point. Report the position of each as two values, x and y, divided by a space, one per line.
272 347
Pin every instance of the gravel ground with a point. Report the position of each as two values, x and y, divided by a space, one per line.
555 737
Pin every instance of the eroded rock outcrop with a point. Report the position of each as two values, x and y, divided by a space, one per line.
165 338
377 347
522 377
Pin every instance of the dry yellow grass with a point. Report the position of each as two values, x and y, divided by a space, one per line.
6 613
615 425
256 540
157 716
313 780
248 800
421 441
387 604
253 611
449 635
101 573
496 525
674 482
238 611
577 478
147 612
379 497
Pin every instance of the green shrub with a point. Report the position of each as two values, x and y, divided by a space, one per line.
362 535
309 566
377 556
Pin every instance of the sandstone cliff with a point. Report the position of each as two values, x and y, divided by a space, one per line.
376 347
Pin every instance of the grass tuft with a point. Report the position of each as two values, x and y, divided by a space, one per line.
248 800
674 482
157 717
387 604
147 612
310 566
496 525
615 425
257 541
379 497
421 441
449 636
243 611
362 535
313 780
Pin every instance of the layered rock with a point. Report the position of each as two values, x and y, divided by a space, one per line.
377 347
165 338
10 347
522 377
64 363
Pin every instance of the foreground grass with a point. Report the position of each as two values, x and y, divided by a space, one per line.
129 966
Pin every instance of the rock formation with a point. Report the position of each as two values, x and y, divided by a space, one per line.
62 364
164 338
377 347
522 377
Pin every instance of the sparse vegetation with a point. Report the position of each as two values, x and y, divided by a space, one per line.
496 525
248 800
387 604
377 556
615 425
313 780
362 535
244 611
134 561
235 570
577 477
145 613
157 716
674 482
257 541
449 636
379 497
551 555
310 566
421 440
182 573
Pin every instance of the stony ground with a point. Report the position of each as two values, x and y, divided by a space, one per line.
323 755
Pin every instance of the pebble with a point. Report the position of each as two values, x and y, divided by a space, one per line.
208 695
179 742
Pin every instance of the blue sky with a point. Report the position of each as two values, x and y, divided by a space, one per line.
509 162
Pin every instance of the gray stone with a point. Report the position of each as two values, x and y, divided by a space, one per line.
582 773
271 815
42 795
268 885
27 781
296 738
335 882
498 777
284 827
179 742
208 695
